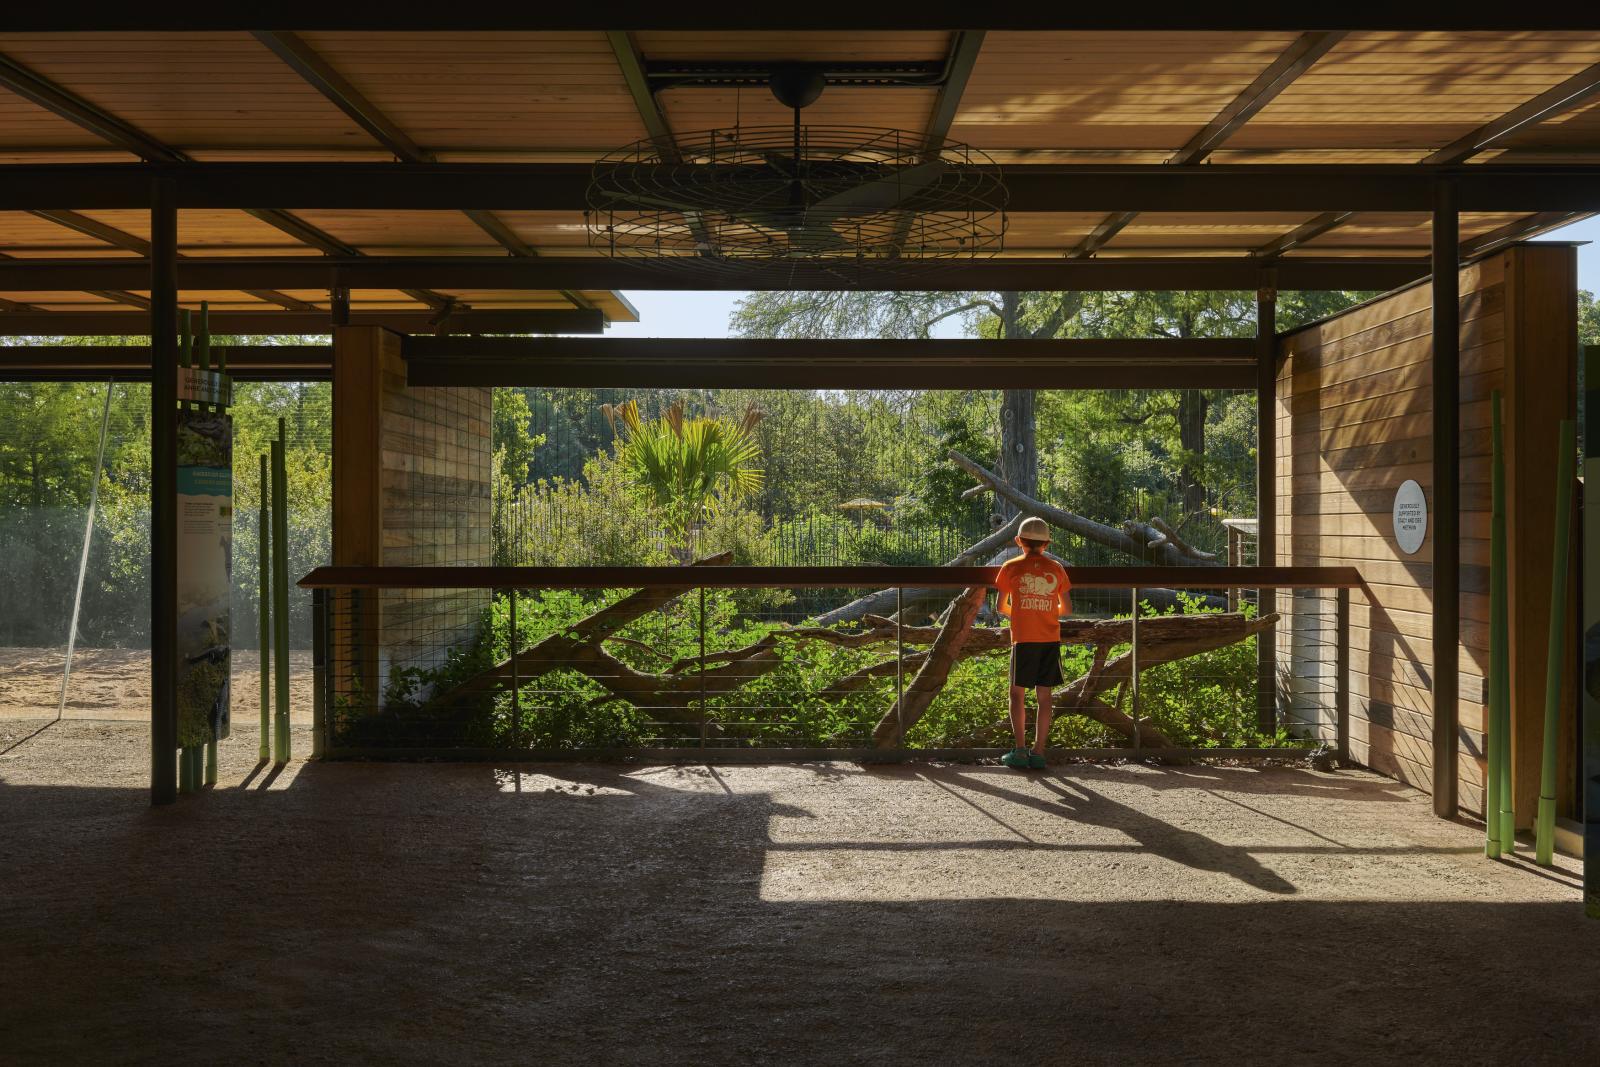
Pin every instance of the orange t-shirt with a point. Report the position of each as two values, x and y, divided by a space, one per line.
1033 594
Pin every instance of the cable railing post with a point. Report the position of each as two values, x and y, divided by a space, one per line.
704 723
1133 660
319 673
1341 679
900 663
512 643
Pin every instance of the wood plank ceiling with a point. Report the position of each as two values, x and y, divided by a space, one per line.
1069 97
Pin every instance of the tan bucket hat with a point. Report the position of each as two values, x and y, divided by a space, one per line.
1034 529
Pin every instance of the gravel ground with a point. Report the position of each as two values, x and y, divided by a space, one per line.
809 914
114 683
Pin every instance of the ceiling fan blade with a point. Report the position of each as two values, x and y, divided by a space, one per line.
882 194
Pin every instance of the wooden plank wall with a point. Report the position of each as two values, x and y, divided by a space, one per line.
1354 419
412 471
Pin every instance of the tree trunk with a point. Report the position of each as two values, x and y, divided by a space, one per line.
1192 408
935 669
1019 449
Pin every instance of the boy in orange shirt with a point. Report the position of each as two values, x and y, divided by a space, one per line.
1033 595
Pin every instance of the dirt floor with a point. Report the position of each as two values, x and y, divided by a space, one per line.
807 914
114 683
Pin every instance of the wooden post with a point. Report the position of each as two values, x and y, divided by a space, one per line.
1266 495
1446 497
163 491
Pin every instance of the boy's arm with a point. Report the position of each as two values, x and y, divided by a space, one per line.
1064 595
1002 584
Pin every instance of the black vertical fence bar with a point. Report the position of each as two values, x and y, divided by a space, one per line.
1266 493
705 728
1446 478
1133 673
163 491
900 663
514 646
320 727
1341 676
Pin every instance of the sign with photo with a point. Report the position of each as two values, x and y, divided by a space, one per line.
205 557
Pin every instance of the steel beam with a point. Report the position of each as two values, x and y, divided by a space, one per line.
108 127
1279 75
1446 522
111 235
132 362
53 98
1307 231
162 325
821 15
1558 99
323 77
244 323
833 364
594 272
1576 90
1518 230
1036 187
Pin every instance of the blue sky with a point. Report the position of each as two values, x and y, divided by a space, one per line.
698 314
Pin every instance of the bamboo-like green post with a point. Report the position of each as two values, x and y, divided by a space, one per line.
184 785
211 763
1497 722
280 595
264 609
1555 654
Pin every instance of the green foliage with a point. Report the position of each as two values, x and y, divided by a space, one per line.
689 467
598 521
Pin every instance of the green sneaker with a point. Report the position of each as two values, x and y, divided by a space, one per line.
1036 762
1016 759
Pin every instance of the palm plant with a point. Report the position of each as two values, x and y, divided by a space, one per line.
689 467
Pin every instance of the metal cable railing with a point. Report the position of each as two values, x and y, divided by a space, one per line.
667 662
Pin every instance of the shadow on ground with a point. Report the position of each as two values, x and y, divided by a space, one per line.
581 914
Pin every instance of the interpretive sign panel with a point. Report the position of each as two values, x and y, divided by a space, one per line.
205 554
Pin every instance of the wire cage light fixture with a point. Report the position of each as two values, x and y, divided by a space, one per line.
828 199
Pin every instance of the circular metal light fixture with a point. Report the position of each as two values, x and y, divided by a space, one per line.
829 199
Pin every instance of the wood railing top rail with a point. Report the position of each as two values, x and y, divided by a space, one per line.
815 577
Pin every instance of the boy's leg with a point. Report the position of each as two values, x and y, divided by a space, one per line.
1019 715
1041 728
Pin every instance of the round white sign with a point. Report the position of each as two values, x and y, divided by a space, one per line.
1410 517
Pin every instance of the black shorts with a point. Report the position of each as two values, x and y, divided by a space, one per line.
1035 663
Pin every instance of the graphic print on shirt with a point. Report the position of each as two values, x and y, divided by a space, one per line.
1037 592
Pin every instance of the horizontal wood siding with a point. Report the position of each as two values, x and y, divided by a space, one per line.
1354 420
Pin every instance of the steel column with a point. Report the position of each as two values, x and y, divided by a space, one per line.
1446 495
1266 493
163 492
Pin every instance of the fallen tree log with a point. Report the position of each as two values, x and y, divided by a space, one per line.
1139 540
935 667
1162 639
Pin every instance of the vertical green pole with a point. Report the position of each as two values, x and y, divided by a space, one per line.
264 610
1555 655
280 596
1497 724
211 763
184 786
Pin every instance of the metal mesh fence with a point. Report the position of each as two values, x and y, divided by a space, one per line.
695 668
